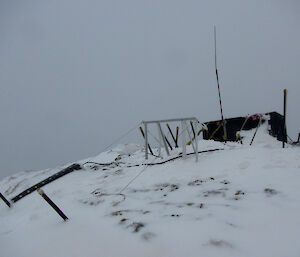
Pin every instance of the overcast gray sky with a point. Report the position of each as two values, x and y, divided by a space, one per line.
75 75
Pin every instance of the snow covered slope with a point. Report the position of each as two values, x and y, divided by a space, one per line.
240 201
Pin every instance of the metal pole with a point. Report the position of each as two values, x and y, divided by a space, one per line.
177 131
5 200
258 125
196 141
169 144
163 138
183 140
220 100
143 134
52 204
284 139
194 133
172 135
146 141
159 141
189 134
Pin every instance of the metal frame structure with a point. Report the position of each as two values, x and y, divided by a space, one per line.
162 140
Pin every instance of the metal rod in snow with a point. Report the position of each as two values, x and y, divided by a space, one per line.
52 204
177 131
196 141
5 200
183 127
175 141
168 143
146 141
162 137
217 75
189 134
194 133
143 134
258 125
284 138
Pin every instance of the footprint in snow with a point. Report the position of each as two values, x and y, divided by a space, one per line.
214 193
136 226
244 165
270 191
171 187
219 243
238 194
147 236
225 182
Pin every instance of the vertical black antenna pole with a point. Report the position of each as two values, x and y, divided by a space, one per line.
220 100
284 139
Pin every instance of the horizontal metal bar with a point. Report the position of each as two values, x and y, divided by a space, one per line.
169 120
46 181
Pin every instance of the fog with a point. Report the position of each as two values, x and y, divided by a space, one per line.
76 75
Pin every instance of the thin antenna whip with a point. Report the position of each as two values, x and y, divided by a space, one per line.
220 100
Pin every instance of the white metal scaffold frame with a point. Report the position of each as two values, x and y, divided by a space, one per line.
162 140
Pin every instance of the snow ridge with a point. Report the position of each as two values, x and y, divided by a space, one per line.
242 201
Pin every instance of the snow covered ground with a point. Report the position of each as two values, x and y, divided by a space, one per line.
240 201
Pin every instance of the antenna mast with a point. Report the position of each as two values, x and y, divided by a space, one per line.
220 100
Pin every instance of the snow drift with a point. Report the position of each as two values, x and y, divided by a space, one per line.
240 201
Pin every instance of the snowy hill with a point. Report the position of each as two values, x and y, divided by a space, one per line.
239 201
